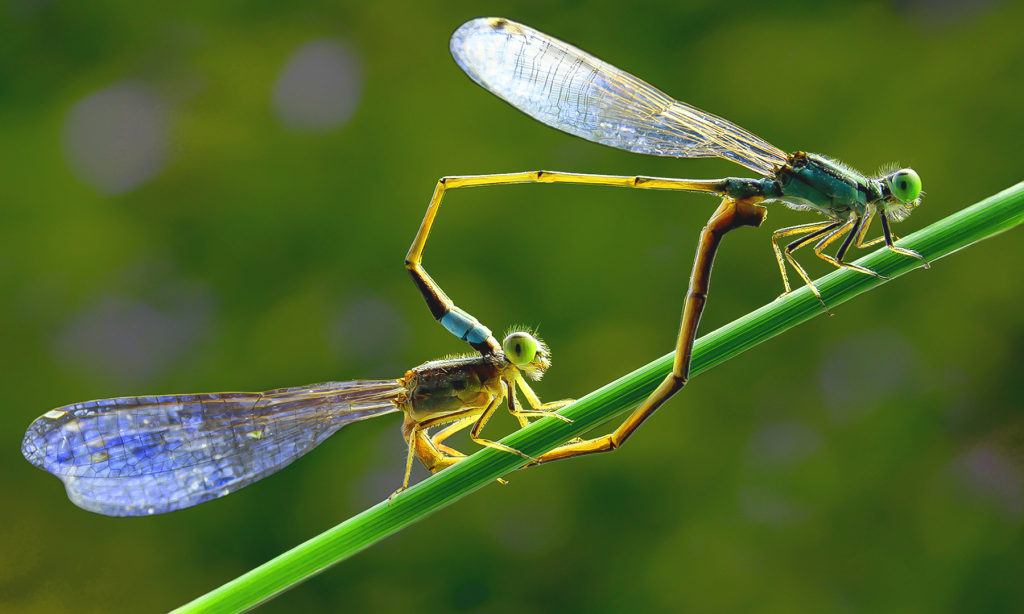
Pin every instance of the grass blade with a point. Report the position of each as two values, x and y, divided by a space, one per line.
992 216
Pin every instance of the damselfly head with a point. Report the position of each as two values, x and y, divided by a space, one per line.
902 194
527 352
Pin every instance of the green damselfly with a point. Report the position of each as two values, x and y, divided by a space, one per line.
577 93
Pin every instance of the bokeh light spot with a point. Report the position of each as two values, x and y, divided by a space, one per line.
132 341
765 506
782 445
993 477
319 87
115 139
372 333
858 373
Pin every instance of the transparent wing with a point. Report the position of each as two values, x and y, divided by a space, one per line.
573 91
135 456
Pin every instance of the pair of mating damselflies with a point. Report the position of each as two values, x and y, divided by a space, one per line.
134 456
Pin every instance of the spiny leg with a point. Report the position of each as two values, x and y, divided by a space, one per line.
795 245
539 410
422 447
481 421
462 324
447 432
889 241
864 232
816 227
732 214
436 456
416 448
534 400
899 250
851 234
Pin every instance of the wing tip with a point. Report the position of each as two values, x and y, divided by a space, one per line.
463 44
33 446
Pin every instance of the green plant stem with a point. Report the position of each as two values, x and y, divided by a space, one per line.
995 214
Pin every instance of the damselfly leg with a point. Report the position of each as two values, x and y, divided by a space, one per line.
732 214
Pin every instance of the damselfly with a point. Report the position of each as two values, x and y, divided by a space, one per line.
573 91
136 456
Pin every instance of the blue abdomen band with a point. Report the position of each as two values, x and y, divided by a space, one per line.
465 326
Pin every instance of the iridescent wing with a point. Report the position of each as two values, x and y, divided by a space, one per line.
136 456
573 91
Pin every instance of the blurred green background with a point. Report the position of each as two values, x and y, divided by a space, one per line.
203 196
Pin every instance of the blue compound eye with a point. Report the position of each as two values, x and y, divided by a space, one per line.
520 348
905 185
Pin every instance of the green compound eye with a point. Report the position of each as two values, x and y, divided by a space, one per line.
905 185
520 348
